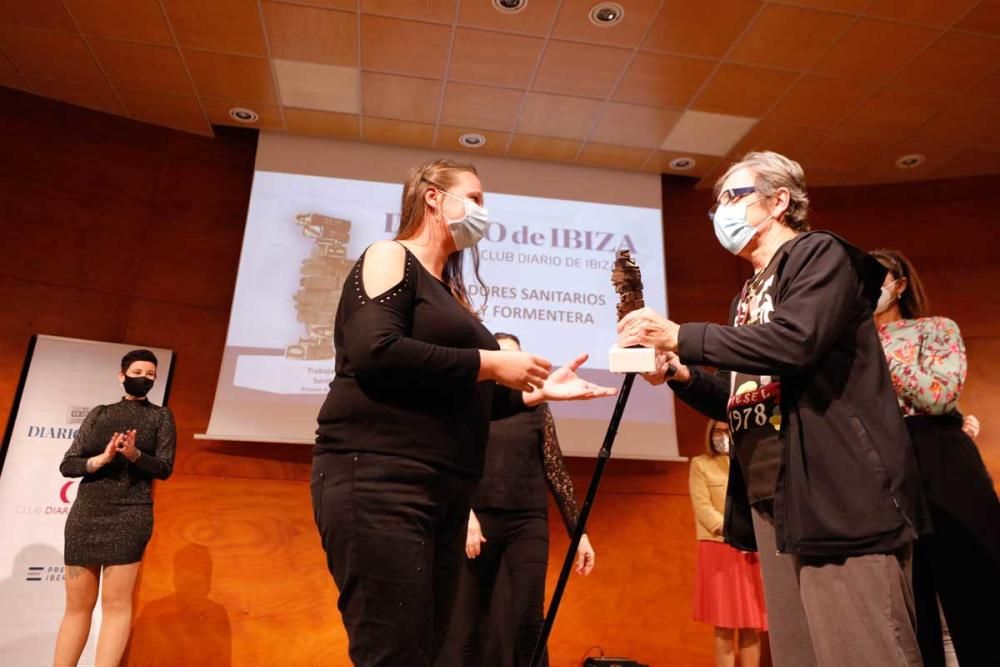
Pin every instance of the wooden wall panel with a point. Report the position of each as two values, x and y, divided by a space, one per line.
117 230
235 575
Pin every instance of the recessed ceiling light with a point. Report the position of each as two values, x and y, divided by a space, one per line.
605 14
682 163
243 115
472 140
910 161
510 6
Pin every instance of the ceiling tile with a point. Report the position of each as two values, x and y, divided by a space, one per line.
543 148
680 26
788 37
884 170
54 56
9 75
574 23
400 97
482 56
794 141
308 121
970 162
384 131
93 96
558 116
616 157
849 6
929 12
984 18
663 80
631 125
480 106
844 151
737 90
439 11
828 177
967 121
534 19
821 101
322 87
580 69
311 35
157 69
387 45
182 113
42 14
231 77
895 112
954 63
874 50
988 87
220 25
660 162
269 116
349 5
447 139
706 133
991 142
137 20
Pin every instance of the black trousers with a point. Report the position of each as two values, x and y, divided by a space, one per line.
959 563
394 533
501 593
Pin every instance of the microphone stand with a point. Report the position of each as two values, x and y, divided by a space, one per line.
581 524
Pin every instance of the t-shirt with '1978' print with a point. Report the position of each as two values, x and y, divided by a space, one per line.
755 400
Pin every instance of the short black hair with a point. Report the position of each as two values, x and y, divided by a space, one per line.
138 355
506 336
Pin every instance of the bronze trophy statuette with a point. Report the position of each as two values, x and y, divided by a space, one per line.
627 279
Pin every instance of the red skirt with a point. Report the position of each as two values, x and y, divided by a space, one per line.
728 591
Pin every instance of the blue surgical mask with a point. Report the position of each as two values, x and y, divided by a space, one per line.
731 226
468 230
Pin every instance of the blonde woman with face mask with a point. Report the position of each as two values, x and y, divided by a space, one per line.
956 570
402 432
728 592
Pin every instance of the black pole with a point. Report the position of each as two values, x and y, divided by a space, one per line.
581 524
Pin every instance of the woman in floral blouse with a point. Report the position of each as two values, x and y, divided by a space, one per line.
958 567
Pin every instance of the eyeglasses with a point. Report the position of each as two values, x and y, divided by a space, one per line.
730 196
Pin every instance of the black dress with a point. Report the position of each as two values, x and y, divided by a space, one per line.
111 520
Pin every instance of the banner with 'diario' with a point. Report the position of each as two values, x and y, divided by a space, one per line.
65 378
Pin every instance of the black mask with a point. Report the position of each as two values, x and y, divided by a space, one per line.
137 386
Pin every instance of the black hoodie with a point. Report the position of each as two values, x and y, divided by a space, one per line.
848 482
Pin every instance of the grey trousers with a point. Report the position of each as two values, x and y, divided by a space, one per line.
855 611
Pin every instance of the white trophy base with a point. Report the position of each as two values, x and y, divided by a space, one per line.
631 359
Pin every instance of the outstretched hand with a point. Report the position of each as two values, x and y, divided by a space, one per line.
564 384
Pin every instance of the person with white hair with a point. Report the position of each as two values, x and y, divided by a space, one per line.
824 483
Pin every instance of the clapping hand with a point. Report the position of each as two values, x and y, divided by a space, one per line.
126 446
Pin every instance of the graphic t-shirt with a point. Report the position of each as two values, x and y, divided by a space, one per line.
755 400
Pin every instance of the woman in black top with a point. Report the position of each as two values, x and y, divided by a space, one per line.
118 451
509 532
402 432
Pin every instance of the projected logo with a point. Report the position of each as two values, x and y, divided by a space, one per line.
321 282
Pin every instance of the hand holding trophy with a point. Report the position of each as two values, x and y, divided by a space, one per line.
627 279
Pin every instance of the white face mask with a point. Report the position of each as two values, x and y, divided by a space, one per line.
886 298
720 443
732 228
468 230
